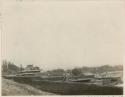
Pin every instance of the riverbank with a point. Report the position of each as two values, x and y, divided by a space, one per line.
11 88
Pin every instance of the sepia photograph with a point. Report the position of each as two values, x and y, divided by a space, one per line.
62 47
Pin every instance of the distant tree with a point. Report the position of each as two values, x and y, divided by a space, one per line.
56 72
118 67
76 71
9 68
4 67
69 71
101 69
21 67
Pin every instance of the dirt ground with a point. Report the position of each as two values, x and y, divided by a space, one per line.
11 88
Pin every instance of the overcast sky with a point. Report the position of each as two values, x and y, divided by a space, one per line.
63 34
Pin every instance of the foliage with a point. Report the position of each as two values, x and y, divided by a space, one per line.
101 69
76 71
9 68
56 72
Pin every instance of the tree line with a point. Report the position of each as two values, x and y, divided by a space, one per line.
11 68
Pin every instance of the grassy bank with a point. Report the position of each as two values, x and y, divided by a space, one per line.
72 88
11 88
